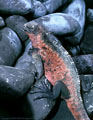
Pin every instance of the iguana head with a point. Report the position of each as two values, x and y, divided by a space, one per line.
33 27
36 32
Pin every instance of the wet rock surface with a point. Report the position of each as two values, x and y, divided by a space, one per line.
21 71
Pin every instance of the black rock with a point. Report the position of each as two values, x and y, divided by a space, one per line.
14 83
20 7
90 16
84 64
87 42
10 46
2 23
16 23
87 93
34 107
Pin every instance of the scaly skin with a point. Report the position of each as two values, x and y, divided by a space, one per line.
58 65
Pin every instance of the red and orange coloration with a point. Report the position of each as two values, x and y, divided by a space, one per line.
58 65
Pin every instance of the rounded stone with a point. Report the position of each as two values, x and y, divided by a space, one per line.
14 83
10 46
20 7
16 23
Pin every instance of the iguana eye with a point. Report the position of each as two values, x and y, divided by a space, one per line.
32 27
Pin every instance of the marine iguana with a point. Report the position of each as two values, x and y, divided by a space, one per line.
58 66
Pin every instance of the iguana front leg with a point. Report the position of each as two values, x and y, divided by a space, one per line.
37 61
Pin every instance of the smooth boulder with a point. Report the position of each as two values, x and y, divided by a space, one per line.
10 46
16 22
21 7
14 83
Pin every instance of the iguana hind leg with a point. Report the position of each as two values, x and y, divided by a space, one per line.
60 90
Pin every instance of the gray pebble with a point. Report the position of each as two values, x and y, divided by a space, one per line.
10 46
16 23
20 7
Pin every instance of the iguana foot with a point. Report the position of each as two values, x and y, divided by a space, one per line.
86 85
59 89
